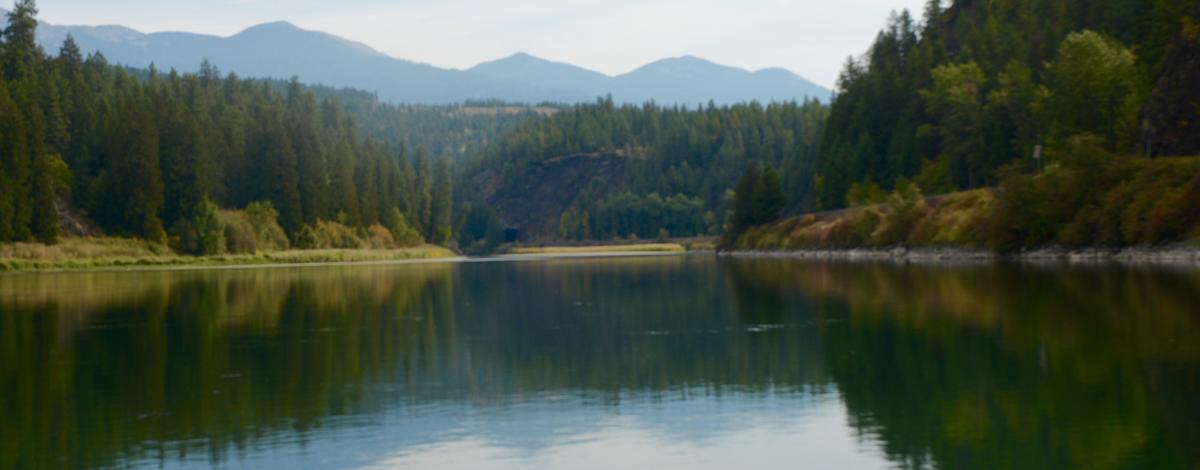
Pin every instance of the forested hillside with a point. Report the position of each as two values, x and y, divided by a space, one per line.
979 93
454 131
1080 118
600 171
141 156
981 84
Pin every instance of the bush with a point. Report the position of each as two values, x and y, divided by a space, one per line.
379 238
253 229
907 209
306 238
402 233
239 233
209 229
183 237
267 232
203 235
337 235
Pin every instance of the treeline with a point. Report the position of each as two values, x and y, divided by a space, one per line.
1095 200
454 131
678 165
142 156
627 215
985 84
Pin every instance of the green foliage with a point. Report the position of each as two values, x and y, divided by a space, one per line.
441 204
137 150
906 210
329 234
1092 200
205 233
254 229
627 214
758 200
1093 87
50 177
975 87
575 225
768 197
402 233
481 230
744 212
645 150
865 195
1113 203
957 98
208 227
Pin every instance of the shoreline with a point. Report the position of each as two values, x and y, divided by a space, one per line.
304 259
595 249
292 258
1168 255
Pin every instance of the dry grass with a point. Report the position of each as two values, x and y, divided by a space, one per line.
92 253
954 220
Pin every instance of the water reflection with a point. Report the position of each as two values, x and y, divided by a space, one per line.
682 362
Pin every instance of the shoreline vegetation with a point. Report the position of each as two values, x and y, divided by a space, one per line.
1092 207
102 253
596 249
77 254
1183 255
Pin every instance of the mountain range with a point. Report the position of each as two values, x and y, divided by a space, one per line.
283 50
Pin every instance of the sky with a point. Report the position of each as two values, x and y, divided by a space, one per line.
810 37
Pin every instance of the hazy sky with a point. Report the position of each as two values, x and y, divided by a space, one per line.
810 37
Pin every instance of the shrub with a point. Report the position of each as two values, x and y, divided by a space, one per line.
203 235
239 233
907 208
331 235
402 233
209 229
183 237
379 238
253 229
306 238
267 232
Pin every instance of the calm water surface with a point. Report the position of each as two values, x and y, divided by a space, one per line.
658 362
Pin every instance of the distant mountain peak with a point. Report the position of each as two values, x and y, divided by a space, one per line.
272 27
283 49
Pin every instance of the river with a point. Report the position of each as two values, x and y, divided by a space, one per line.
641 362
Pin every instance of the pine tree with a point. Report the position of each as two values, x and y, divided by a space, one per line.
135 188
49 173
768 197
280 179
441 203
342 162
744 213
21 52
301 122
12 151
181 155
422 195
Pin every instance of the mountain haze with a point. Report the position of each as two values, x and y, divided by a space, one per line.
525 68
691 79
683 80
282 50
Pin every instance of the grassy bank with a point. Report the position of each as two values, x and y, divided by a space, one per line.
95 253
1088 204
562 250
